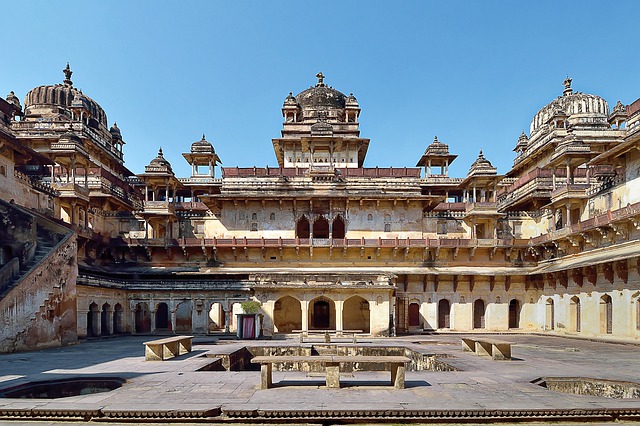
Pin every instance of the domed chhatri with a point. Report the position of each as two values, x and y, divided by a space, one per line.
66 102
159 164
202 146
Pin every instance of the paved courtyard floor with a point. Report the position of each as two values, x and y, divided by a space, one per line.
481 391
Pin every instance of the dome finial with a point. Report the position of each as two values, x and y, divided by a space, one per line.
203 137
320 77
567 86
67 73
160 152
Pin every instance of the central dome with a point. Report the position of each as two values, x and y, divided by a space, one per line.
321 96
59 98
579 108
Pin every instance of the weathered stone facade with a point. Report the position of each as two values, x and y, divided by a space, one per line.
326 243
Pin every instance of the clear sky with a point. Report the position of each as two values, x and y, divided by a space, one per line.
472 72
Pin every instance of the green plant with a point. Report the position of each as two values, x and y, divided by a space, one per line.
251 306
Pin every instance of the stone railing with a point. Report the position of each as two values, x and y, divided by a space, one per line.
241 242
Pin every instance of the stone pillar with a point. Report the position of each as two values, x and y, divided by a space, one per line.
152 318
82 323
304 304
172 318
339 314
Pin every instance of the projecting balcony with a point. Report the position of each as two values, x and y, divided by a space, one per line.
570 192
160 208
71 190
534 186
482 209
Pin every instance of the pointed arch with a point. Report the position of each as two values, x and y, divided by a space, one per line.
162 317
118 319
105 321
287 314
338 228
302 227
322 314
321 228
356 314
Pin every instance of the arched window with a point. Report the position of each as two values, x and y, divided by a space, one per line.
272 216
254 216
369 216
338 228
302 228
321 228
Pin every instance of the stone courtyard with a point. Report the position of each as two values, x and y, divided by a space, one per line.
482 390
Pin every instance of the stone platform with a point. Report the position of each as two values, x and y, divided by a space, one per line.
175 391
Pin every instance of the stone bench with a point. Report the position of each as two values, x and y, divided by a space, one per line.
169 347
331 364
304 334
496 349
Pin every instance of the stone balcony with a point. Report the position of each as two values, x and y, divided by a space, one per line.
160 208
71 190
482 209
572 191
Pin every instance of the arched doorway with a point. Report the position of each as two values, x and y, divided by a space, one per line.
478 314
105 321
574 314
142 318
302 228
606 315
323 314
162 317
414 315
287 314
356 314
549 315
444 314
338 228
217 317
118 314
321 228
92 320
514 313
184 313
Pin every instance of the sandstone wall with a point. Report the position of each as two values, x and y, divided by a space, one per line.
41 310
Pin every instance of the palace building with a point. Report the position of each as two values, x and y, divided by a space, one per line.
91 248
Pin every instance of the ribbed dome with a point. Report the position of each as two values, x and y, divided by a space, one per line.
63 96
571 105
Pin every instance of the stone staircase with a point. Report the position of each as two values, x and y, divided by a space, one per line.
43 247
37 281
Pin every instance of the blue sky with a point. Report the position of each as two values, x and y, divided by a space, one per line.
474 73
